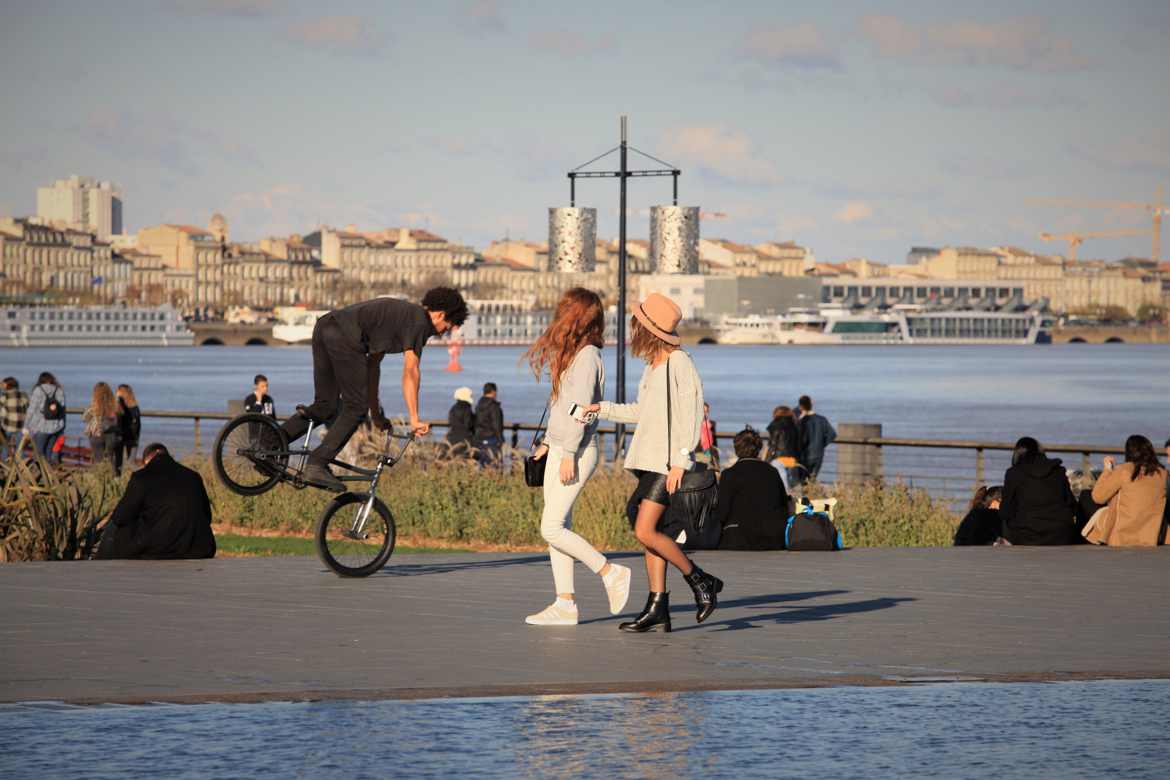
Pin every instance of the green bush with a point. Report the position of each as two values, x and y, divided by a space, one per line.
877 514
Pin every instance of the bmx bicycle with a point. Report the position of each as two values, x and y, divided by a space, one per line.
354 535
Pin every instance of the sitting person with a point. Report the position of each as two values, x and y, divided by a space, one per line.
753 504
165 513
1135 497
1037 506
982 525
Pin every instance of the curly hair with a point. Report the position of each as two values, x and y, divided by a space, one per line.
748 443
448 301
579 320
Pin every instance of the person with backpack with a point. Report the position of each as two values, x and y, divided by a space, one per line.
45 422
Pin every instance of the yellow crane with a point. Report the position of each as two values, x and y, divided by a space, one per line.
1157 210
1076 239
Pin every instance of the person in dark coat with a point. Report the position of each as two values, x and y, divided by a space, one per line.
164 513
982 525
1038 505
461 424
784 444
753 504
816 434
489 426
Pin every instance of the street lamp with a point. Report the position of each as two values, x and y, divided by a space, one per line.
573 227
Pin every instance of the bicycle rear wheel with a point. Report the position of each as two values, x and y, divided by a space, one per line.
351 540
250 455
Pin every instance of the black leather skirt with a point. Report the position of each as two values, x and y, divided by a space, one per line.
652 487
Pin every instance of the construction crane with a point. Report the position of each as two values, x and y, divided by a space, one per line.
1157 210
1076 239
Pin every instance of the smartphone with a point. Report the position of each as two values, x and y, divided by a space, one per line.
578 413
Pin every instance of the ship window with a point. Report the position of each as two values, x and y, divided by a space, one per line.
860 327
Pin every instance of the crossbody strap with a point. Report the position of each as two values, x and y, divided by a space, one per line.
539 430
668 412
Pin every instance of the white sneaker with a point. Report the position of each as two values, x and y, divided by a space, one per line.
617 587
554 615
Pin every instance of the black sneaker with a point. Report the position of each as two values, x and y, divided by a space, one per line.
319 475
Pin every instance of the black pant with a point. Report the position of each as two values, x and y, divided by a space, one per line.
339 371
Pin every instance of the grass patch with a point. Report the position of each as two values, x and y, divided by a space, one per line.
275 546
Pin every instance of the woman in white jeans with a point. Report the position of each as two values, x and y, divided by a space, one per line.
570 350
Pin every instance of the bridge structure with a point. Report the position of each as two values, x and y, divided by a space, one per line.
228 334
1111 334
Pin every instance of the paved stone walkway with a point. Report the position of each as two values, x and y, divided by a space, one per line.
429 625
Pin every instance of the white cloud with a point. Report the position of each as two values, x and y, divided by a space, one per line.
351 35
791 224
239 8
482 16
723 152
1023 44
854 211
800 46
569 43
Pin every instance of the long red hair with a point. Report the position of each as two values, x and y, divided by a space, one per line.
579 320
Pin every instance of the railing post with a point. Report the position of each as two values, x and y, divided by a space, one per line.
197 441
859 462
516 436
978 466
1086 463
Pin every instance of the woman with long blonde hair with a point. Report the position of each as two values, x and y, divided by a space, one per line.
103 426
661 451
570 352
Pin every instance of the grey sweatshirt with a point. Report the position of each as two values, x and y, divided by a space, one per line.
648 448
583 383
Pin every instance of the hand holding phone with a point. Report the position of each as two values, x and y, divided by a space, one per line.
579 413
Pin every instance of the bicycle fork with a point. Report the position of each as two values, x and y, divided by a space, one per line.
367 506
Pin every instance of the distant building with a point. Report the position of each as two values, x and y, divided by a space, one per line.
82 203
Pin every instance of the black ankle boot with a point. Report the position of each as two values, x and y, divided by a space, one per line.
655 617
706 590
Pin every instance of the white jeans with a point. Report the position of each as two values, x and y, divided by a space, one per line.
557 518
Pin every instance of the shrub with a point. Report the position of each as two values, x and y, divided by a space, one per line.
877 514
47 514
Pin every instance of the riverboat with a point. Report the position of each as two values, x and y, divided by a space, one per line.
92 326
899 325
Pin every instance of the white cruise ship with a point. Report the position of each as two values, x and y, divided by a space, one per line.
92 326
900 325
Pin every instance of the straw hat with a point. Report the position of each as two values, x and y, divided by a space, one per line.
463 394
660 315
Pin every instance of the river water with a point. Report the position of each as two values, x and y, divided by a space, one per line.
969 730
1069 393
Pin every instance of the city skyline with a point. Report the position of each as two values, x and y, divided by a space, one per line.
856 130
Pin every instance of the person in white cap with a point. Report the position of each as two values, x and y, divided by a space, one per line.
461 424
570 351
657 442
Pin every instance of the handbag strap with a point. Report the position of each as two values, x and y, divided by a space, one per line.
539 430
668 411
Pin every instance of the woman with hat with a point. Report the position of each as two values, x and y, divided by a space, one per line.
661 451
461 424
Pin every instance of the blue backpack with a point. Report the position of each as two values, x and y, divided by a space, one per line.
809 530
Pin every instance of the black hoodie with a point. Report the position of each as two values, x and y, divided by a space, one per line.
783 438
1038 505
489 419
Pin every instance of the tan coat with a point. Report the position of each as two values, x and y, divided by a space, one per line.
1133 517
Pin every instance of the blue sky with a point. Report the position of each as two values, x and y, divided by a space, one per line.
854 128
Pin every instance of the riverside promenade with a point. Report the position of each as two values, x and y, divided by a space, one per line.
254 629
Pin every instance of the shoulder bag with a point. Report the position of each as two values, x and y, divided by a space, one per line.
692 505
534 467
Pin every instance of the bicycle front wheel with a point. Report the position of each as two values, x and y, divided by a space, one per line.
251 453
354 537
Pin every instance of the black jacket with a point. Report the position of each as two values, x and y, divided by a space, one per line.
752 508
816 433
165 513
1038 505
130 422
980 526
783 438
460 423
489 419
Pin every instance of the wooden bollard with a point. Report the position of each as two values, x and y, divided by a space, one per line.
859 462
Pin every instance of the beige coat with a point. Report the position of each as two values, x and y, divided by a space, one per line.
1133 517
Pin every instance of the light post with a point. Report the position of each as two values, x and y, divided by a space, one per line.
621 174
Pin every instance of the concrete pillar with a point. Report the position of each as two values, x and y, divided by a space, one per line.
572 239
859 462
674 239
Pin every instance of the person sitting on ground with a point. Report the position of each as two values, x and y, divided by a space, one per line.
1037 505
784 444
13 409
982 525
1134 493
753 504
348 347
816 434
461 424
489 426
258 401
164 513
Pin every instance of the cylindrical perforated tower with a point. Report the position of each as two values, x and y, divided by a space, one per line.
572 239
674 239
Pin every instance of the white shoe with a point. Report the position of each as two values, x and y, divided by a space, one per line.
617 587
554 615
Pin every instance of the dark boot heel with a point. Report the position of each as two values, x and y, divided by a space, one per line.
705 588
655 616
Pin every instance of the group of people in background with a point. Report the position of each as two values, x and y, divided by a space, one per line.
476 432
1040 503
797 440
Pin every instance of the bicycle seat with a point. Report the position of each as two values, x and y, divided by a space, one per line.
303 411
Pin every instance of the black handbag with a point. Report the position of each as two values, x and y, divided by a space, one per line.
692 505
534 467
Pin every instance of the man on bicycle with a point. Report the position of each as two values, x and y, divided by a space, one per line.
348 347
